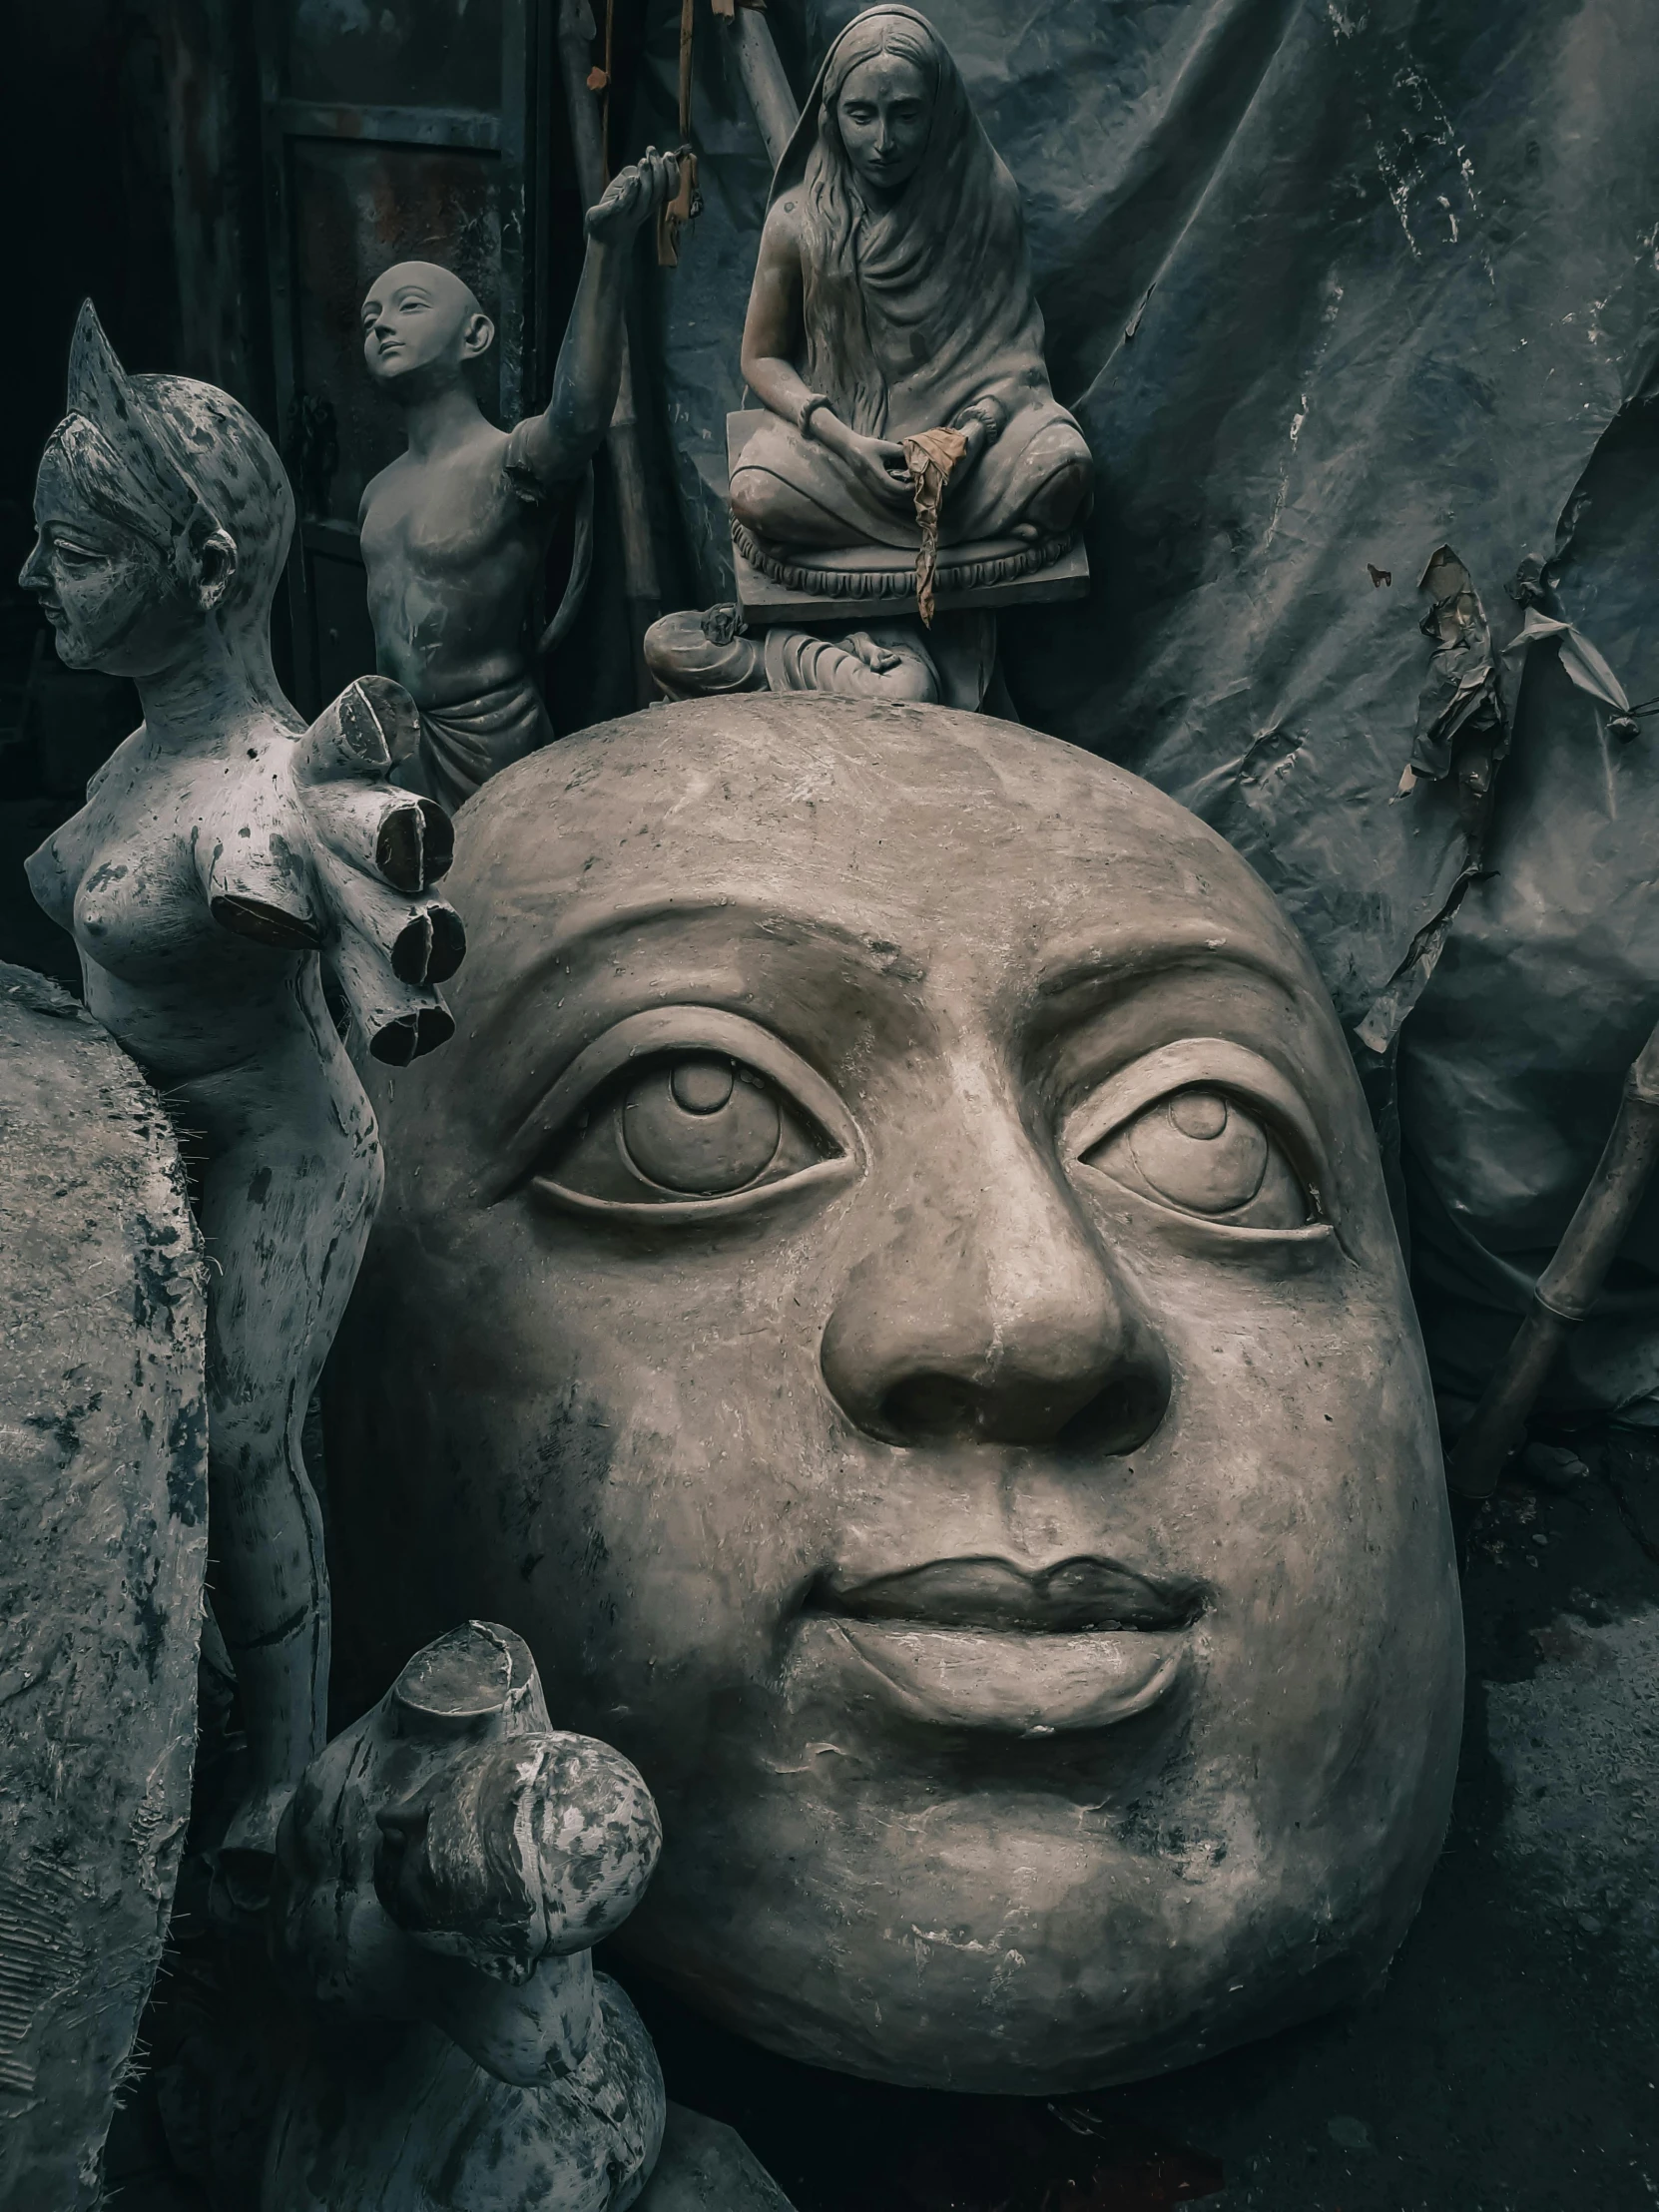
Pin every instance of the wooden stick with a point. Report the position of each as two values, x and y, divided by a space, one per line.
1570 1286
680 210
639 557
770 95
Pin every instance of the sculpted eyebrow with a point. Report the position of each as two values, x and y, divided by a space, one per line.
577 962
613 928
1128 959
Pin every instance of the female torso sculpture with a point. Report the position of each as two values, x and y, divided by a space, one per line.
215 860
893 296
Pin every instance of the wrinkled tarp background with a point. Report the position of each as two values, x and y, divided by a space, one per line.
1393 278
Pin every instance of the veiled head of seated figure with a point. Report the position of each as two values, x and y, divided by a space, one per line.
881 87
891 1291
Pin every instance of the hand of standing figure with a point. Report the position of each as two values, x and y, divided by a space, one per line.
633 195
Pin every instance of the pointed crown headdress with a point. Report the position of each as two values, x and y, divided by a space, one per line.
174 459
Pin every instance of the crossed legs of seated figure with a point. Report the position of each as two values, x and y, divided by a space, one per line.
791 493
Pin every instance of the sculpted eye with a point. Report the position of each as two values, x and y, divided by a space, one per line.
1205 1151
687 1127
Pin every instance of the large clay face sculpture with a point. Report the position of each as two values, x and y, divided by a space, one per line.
891 1293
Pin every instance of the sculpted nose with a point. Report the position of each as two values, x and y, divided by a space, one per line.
35 574
990 1308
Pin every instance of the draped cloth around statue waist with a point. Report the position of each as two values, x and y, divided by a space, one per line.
464 744
980 507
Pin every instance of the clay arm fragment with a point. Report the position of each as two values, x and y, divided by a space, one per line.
771 328
375 851
772 335
252 858
536 1848
551 450
460 1878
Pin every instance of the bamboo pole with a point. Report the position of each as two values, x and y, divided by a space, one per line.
776 112
1570 1286
638 556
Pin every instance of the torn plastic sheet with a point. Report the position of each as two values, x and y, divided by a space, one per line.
1584 666
1462 733
1510 1067
1386 1015
1385 285
1461 691
1326 287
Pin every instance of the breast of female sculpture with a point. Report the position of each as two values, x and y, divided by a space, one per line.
126 875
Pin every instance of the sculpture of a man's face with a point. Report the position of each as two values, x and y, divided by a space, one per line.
420 325
891 1291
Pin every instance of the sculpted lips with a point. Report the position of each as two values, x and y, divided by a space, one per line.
980 1643
990 1593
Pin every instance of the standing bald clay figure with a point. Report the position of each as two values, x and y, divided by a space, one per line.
456 530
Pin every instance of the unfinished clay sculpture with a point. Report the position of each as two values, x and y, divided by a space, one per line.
893 299
891 1293
224 856
908 443
103 1550
442 1874
456 531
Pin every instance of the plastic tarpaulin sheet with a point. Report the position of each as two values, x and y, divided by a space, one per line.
1329 286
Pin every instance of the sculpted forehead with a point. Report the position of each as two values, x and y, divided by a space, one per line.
895 817
446 288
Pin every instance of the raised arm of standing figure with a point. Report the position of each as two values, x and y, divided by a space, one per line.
556 447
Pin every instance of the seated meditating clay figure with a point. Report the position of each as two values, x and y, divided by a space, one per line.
891 301
890 1293
223 853
456 530
893 297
